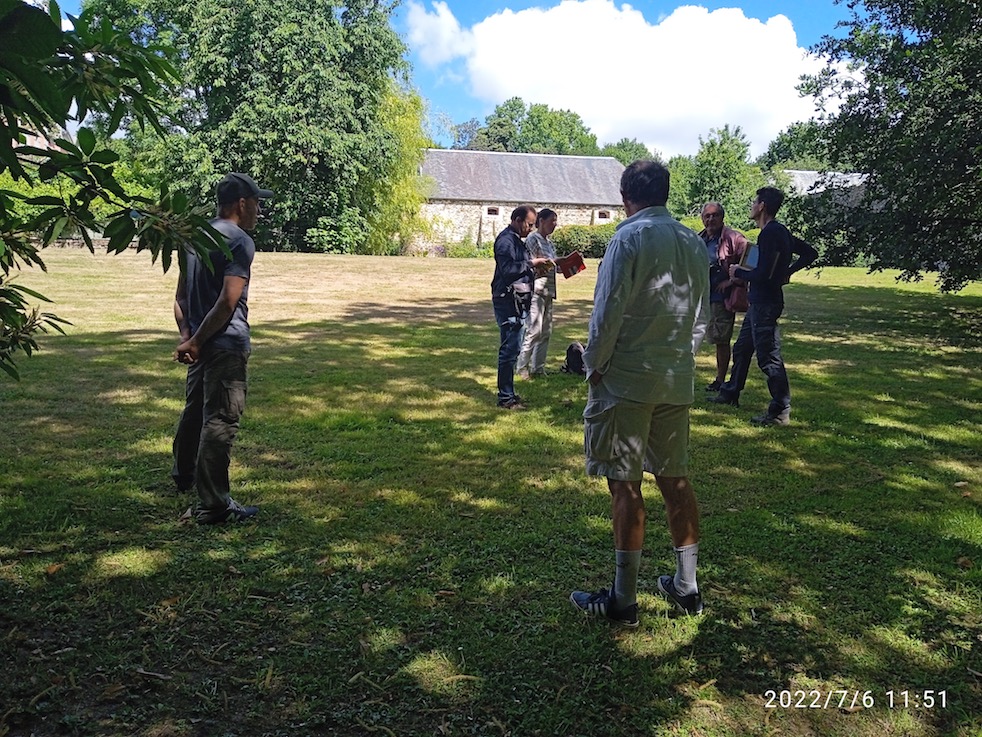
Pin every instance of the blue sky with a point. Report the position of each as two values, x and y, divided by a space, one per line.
661 72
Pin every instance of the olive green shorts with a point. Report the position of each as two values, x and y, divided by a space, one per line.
721 321
622 437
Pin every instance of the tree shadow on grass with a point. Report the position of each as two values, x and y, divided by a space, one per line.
416 545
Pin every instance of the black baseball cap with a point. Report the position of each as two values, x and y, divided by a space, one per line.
235 186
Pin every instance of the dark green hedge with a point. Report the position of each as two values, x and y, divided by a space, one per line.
590 240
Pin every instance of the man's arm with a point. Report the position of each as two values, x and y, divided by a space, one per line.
181 308
767 257
701 323
217 317
805 252
614 285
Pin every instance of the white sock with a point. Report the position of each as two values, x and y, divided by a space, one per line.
686 558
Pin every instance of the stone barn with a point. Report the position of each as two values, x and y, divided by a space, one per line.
472 193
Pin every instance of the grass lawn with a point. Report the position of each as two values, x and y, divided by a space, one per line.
410 568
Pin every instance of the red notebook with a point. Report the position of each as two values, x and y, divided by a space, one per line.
571 265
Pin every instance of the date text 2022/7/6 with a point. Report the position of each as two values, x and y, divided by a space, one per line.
855 699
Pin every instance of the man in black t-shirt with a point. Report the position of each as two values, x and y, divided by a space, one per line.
759 333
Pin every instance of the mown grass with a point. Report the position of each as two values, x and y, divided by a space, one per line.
409 571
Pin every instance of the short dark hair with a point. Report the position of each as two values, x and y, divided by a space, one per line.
544 214
645 183
521 212
772 198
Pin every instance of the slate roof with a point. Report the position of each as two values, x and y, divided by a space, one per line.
813 182
491 176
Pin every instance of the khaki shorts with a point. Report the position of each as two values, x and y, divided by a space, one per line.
622 437
721 321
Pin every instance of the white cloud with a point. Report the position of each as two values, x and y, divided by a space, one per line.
665 83
437 37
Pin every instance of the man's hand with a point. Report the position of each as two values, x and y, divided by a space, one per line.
595 378
733 268
543 266
186 352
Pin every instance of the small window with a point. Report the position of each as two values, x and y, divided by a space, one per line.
603 215
492 211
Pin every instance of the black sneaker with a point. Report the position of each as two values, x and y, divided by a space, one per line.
233 513
690 604
769 420
715 386
601 604
722 399
515 403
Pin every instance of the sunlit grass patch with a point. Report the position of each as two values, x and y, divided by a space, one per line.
131 562
436 673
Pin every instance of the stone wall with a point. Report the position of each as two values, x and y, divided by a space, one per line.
478 223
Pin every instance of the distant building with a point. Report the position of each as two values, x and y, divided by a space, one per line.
472 193
847 188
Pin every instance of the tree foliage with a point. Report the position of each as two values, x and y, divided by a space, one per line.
548 131
681 171
399 194
463 133
296 92
49 78
627 150
719 172
907 76
799 146
520 128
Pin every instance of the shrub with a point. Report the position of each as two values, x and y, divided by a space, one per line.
343 234
590 240
695 223
464 248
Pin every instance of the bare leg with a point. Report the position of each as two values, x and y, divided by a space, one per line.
722 361
680 508
627 509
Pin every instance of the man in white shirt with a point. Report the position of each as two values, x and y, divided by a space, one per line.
651 305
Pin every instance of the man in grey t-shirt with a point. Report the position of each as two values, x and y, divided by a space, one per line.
212 314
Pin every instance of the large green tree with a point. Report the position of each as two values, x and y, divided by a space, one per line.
399 193
50 79
720 171
501 128
906 79
295 92
548 131
681 169
536 128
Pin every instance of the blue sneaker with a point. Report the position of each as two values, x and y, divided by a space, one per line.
601 604
690 604
233 513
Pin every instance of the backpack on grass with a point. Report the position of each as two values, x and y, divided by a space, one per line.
574 359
